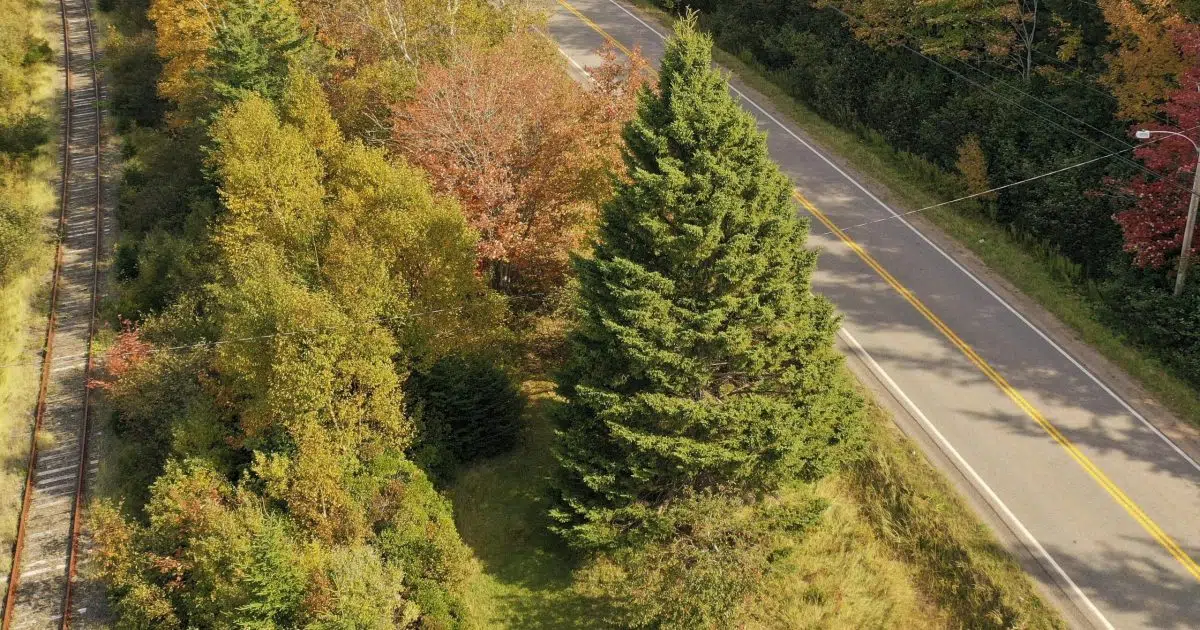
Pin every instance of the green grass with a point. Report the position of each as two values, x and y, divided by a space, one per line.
845 576
896 548
1040 274
19 344
921 517
500 509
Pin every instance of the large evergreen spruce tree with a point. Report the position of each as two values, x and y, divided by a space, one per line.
702 361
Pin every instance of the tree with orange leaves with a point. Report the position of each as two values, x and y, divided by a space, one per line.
524 148
1147 62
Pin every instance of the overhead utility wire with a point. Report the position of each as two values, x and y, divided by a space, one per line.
1069 130
286 333
1087 86
1005 186
1017 104
1122 141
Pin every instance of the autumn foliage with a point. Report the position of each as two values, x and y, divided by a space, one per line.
127 352
1147 61
1153 226
524 148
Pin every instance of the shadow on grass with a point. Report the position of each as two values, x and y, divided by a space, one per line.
500 507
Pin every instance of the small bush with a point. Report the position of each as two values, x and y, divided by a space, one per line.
18 230
38 52
24 135
1145 308
466 408
719 557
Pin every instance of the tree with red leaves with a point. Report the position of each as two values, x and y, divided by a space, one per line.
523 147
1153 227
127 352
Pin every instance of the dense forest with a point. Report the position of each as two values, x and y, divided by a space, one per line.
345 230
1003 90
353 232
303 305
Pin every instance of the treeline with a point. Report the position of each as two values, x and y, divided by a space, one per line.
1002 90
345 226
326 282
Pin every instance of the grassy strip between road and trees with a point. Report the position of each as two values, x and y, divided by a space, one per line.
1030 265
27 166
895 548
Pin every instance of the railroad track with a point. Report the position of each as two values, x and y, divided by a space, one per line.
41 585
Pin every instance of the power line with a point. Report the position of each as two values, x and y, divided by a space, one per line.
1009 185
287 333
1073 132
983 193
1088 86
1017 104
1008 85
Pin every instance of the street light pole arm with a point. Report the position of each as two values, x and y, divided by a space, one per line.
1190 229
1171 133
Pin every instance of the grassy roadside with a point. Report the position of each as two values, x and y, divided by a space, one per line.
922 519
24 298
896 548
914 183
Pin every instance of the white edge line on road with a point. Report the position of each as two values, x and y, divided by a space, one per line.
1095 379
575 63
1031 543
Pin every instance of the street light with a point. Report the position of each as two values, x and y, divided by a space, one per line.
1144 134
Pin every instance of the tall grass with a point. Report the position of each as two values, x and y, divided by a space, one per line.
22 326
25 183
843 574
921 518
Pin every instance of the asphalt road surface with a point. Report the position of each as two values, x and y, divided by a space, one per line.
1103 507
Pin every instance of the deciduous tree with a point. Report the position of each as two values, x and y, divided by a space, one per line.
1153 227
1147 62
286 499
523 147
949 29
184 31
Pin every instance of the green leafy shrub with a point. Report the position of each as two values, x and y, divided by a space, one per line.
716 556
1142 304
18 227
24 135
466 408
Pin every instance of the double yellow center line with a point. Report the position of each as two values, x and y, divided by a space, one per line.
1088 466
1094 471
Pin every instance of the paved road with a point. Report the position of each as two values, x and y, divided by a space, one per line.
1106 505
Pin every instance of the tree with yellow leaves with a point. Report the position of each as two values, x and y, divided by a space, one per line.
1147 63
949 29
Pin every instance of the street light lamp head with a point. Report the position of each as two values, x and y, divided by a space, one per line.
1142 134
